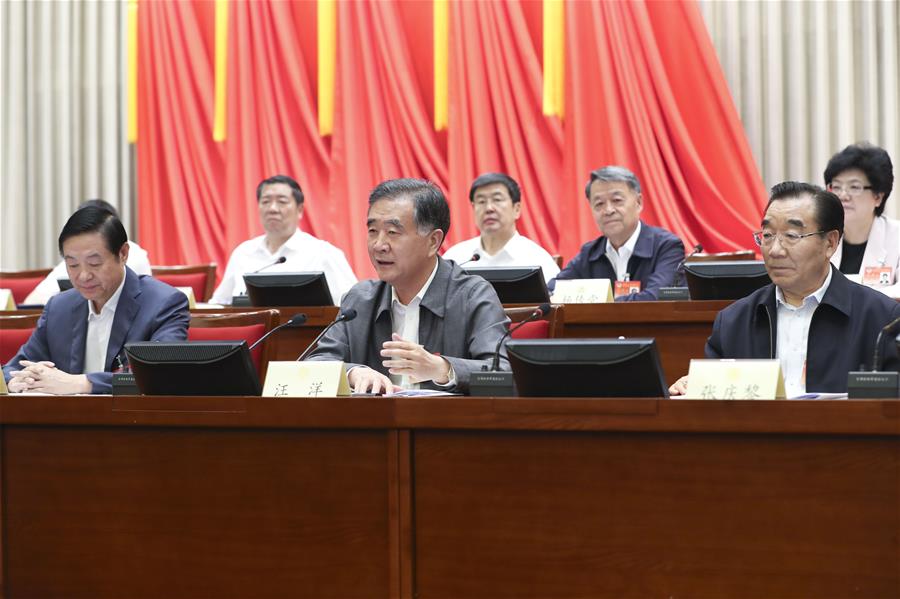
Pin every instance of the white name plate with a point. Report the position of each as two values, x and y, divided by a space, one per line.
6 300
582 291
735 379
189 292
306 379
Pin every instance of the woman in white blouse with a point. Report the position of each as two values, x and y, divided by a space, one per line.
861 175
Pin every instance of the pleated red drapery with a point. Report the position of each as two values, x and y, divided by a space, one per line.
496 122
658 104
180 169
643 89
382 126
272 118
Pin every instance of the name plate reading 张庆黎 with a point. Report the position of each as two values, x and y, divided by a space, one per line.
6 300
306 379
582 291
189 292
735 379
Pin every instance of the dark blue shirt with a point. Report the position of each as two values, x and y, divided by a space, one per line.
841 335
654 263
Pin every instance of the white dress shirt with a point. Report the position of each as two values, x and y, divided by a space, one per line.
99 327
138 261
303 253
619 258
405 322
518 251
793 337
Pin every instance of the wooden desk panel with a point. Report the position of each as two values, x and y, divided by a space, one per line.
534 515
158 512
448 497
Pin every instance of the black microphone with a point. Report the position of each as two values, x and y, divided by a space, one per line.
886 329
475 258
541 311
875 384
296 320
344 316
679 270
281 260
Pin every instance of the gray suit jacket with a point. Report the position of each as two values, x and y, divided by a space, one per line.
460 318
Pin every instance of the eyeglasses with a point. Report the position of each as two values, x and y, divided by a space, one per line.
786 239
854 189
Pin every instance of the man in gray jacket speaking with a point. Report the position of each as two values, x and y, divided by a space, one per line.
425 322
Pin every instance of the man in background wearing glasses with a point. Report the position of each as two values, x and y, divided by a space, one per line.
816 322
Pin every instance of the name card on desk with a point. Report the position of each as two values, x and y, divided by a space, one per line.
582 291
306 379
6 300
3 389
735 379
189 292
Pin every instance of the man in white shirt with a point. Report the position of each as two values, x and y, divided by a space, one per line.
280 202
80 338
816 322
138 261
496 200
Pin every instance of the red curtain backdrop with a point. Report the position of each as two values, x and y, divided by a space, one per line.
180 169
382 125
496 123
272 118
643 90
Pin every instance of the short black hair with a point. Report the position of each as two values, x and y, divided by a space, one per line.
295 187
430 209
872 160
613 173
100 204
515 194
828 208
92 219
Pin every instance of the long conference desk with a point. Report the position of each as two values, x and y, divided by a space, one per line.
455 497
680 328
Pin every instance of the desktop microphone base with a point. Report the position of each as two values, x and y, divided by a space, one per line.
674 294
123 383
491 384
873 385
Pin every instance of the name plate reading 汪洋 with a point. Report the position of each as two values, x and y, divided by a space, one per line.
306 379
735 379
189 292
582 291
6 300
